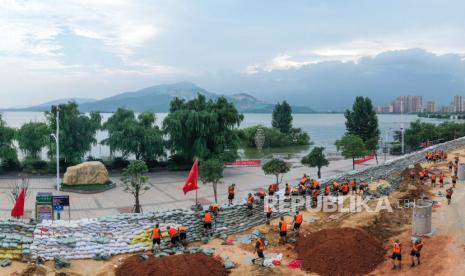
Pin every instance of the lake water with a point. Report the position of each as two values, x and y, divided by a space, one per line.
324 129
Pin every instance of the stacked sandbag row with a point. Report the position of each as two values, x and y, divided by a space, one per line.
15 239
128 233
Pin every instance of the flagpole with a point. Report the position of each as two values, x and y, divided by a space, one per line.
196 196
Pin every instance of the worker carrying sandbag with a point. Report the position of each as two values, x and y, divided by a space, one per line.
183 235
207 223
396 255
173 233
417 245
259 249
156 237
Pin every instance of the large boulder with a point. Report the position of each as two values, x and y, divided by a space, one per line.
93 172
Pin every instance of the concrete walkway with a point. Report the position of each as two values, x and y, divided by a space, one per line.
166 192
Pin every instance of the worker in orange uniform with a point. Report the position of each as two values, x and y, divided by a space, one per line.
345 188
362 188
298 219
269 213
421 174
433 180
327 190
417 245
156 237
215 209
287 190
261 195
183 235
231 193
336 187
250 201
282 231
303 189
353 184
207 223
396 255
173 233
259 249
441 179
273 188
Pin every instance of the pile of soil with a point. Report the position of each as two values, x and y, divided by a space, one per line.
179 265
340 251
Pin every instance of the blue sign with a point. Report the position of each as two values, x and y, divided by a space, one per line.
58 208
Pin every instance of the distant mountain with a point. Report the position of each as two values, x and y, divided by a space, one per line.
157 99
46 106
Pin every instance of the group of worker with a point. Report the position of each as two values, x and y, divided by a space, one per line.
436 156
417 245
424 173
178 236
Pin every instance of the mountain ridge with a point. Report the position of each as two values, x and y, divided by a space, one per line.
158 97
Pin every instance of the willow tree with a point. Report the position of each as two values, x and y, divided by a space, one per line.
77 131
139 136
202 128
7 135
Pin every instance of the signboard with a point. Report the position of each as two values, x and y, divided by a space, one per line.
42 197
61 200
44 211
58 208
244 163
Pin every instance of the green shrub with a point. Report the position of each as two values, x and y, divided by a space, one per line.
35 166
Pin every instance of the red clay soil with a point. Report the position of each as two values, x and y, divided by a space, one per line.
340 251
179 265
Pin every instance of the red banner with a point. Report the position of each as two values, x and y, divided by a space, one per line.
364 159
244 163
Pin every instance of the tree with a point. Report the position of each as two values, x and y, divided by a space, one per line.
276 167
7 149
273 137
363 122
351 146
282 117
32 137
128 135
135 181
316 158
203 129
77 131
211 171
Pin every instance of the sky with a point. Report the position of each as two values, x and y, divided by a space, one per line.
269 48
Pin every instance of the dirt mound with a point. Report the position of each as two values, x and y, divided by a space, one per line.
340 251
179 265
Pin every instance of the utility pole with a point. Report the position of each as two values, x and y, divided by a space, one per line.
402 125
58 148
56 137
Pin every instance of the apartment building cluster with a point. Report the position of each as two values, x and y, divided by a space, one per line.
414 104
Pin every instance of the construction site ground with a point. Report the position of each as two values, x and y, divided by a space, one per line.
443 252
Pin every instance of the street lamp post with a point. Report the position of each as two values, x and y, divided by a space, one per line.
56 137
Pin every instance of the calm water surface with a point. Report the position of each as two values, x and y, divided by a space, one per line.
324 129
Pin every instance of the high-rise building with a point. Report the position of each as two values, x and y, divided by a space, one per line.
431 107
448 108
459 104
407 104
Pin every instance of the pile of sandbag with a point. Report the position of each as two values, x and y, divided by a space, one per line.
129 233
15 239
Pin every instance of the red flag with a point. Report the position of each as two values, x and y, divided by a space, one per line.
18 210
191 181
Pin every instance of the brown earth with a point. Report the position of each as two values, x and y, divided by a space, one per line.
179 265
340 251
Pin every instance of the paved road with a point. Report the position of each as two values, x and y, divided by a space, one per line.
166 192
